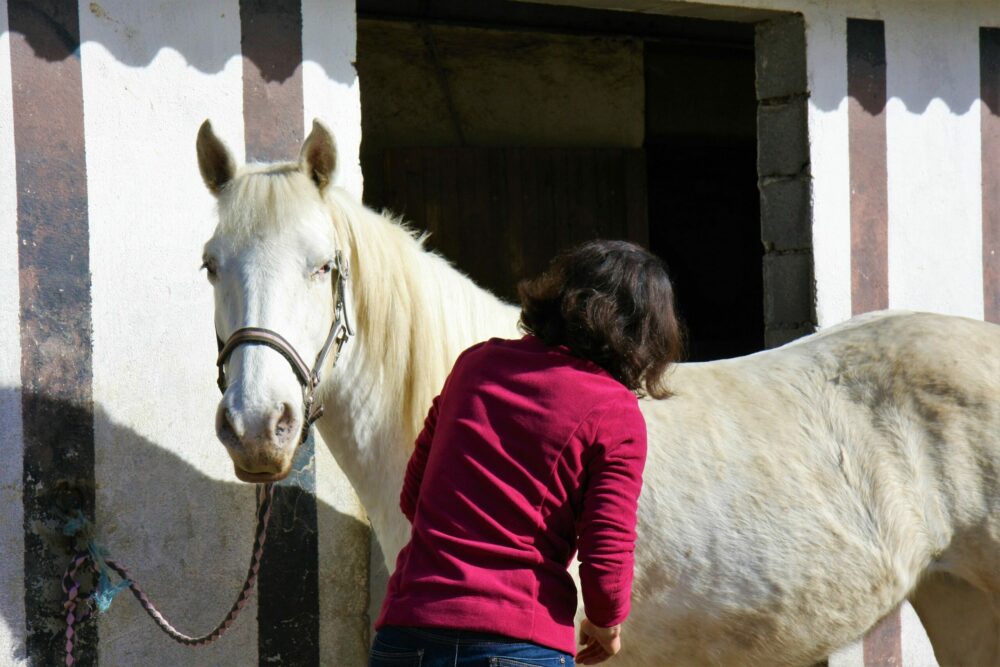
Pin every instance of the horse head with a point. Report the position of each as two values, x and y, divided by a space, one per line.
274 263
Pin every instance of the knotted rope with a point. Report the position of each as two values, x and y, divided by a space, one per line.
101 597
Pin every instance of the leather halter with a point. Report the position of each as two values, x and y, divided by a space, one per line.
309 378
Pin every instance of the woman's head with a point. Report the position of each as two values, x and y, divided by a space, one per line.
610 302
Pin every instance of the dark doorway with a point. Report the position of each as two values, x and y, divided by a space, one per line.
510 130
704 207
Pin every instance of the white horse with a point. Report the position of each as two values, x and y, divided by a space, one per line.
792 497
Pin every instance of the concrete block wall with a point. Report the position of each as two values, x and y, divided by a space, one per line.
784 179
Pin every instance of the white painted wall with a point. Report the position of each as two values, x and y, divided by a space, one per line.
167 503
934 162
826 62
330 83
11 440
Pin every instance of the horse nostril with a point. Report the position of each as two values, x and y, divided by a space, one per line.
284 421
225 427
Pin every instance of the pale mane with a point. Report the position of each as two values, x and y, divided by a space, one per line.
415 311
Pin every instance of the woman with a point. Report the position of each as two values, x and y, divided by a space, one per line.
534 450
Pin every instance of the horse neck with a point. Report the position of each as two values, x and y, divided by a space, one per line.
414 314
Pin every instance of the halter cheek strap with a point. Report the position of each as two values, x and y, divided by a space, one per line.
309 378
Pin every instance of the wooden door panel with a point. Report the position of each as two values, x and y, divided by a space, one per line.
500 214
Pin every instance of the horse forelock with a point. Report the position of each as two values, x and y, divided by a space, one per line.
263 199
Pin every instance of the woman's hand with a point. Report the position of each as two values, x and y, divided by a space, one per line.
599 644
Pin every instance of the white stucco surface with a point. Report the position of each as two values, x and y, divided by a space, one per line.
933 161
11 441
330 83
828 134
167 504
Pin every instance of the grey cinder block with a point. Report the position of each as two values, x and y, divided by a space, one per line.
780 46
786 213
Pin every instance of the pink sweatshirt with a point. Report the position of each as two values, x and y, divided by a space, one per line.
528 455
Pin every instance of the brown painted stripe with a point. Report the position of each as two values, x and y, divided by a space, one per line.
883 643
288 606
866 89
54 277
989 88
272 78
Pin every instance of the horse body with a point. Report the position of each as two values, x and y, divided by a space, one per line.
795 496
791 499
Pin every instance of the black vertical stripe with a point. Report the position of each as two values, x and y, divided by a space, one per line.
288 607
55 314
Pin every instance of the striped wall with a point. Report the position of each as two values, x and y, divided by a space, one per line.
902 158
106 349
107 367
55 311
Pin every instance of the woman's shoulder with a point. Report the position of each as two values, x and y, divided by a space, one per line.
532 351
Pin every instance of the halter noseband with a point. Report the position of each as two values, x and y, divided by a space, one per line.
309 378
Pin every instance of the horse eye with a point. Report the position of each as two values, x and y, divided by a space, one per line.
323 270
210 268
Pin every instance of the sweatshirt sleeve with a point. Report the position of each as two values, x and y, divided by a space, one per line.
418 462
606 539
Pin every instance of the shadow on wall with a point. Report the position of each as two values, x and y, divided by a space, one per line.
185 537
136 32
931 55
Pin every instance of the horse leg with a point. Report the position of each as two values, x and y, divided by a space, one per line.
961 621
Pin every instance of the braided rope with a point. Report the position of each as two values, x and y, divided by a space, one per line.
265 494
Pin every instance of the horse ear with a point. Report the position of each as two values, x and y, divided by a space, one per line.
318 157
214 159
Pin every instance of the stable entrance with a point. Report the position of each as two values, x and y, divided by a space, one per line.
510 130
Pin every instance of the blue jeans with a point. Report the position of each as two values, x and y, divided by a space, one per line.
438 647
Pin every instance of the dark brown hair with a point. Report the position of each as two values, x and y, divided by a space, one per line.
610 302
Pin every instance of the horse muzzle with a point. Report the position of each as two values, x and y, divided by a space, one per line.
261 443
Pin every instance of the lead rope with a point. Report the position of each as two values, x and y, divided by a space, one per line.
71 586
